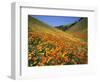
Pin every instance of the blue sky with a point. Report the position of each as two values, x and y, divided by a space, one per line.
56 20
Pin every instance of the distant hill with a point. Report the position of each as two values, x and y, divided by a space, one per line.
66 26
77 29
77 25
80 26
80 29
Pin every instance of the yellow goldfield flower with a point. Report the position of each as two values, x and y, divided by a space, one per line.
29 55
29 58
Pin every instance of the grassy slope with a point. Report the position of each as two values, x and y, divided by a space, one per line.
79 30
80 26
35 25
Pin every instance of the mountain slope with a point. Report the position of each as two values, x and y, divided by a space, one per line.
79 26
33 22
66 26
35 25
80 29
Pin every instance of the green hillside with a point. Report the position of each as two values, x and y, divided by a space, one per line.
33 22
79 26
80 29
35 25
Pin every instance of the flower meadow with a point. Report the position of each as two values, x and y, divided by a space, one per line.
61 45
47 49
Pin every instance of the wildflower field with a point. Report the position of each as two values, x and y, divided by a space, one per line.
49 46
